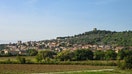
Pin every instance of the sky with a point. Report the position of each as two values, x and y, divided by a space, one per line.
33 20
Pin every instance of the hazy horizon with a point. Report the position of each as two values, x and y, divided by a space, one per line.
34 20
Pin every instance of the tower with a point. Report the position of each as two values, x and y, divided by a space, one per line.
94 29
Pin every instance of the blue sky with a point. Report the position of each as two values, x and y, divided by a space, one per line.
47 19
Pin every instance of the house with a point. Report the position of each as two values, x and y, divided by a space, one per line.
95 46
117 49
99 48
12 51
5 51
107 47
23 52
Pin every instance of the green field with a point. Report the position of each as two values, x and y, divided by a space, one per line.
88 62
39 68
13 58
58 69
81 68
104 72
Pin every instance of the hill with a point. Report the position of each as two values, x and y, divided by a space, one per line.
101 37
96 37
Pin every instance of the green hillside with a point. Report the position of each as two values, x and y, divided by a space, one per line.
101 37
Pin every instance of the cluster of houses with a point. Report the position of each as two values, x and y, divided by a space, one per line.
20 48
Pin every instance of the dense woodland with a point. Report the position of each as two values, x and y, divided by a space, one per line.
101 37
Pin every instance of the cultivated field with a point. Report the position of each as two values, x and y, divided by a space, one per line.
81 68
39 68
58 69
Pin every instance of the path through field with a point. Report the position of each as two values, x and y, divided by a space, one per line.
76 71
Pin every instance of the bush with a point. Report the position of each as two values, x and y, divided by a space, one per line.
39 58
28 61
110 55
32 52
65 55
8 61
99 55
21 60
127 64
83 54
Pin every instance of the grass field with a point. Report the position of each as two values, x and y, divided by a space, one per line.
105 72
39 68
55 69
13 58
88 62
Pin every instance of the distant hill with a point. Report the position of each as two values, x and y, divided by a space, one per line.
95 37
101 37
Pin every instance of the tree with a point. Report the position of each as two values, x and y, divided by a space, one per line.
126 64
2 52
21 60
47 54
121 54
65 55
99 55
39 58
32 52
2 46
128 53
83 54
110 55
42 55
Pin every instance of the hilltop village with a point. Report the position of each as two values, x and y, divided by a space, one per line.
93 40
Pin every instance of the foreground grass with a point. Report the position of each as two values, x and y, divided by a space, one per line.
105 72
31 59
65 69
39 68
13 58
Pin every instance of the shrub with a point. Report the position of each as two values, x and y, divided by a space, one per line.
8 61
99 55
32 52
39 58
110 55
65 55
127 64
28 61
21 60
83 54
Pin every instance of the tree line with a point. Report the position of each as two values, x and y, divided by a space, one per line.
87 54
84 54
81 56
